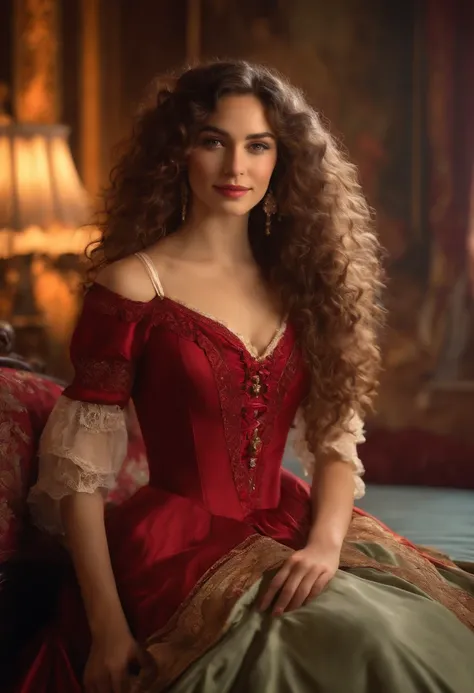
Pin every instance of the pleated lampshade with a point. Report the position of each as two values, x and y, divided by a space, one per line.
42 200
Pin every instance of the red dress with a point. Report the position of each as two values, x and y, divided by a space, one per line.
215 421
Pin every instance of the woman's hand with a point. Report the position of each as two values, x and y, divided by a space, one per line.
113 657
302 577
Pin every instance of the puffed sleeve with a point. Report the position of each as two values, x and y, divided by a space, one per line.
344 445
84 441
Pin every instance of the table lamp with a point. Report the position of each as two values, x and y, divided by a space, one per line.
42 206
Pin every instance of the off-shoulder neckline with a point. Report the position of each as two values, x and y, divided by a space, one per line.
143 306
124 299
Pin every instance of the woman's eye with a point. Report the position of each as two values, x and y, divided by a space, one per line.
258 147
211 143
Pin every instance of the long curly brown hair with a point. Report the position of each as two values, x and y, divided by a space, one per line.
322 258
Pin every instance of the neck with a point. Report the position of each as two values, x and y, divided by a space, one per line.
220 239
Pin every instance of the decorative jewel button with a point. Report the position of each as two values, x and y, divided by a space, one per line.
253 462
254 445
256 386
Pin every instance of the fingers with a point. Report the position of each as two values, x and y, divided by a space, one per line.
299 582
275 585
303 591
319 586
140 658
295 586
137 662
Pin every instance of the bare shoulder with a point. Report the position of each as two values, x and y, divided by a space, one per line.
128 278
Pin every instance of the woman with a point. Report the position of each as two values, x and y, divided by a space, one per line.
235 292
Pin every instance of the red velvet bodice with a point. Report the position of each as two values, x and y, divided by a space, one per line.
214 418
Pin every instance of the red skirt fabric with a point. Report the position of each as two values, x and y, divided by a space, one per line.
161 544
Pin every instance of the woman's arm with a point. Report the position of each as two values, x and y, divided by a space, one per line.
113 648
332 494
82 515
336 482
305 574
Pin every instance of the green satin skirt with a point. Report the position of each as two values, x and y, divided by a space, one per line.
369 632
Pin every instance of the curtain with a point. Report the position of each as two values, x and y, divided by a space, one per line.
449 41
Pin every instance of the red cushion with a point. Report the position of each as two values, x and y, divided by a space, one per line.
413 457
26 400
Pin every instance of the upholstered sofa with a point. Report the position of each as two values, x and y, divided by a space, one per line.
26 399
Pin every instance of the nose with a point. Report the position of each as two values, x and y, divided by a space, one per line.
234 162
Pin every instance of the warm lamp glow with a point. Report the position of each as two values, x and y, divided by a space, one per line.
54 242
42 201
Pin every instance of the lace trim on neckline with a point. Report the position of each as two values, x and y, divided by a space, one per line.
130 310
249 347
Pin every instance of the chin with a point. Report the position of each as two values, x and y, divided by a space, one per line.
232 208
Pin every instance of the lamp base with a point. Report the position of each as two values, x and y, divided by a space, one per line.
20 309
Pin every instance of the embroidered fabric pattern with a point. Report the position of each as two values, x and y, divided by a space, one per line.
244 415
230 398
252 352
216 322
238 400
12 483
345 446
275 382
113 376
255 392
411 565
82 449
110 303
25 403
283 379
204 616
230 395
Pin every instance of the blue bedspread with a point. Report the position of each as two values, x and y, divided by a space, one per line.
439 517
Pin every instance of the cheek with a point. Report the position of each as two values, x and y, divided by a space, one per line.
263 169
201 167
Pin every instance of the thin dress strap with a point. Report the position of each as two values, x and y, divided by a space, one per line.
152 273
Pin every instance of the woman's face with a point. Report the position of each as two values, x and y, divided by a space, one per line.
232 160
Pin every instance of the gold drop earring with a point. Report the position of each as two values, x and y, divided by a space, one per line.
184 201
270 208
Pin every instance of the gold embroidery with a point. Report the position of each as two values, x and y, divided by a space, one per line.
12 438
203 618
249 348
411 566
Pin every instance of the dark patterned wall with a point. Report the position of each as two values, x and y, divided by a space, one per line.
354 61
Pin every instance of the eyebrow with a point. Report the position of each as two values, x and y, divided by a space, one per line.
254 136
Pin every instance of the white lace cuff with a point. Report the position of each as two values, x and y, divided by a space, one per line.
81 450
345 446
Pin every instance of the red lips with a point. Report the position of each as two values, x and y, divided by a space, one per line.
233 191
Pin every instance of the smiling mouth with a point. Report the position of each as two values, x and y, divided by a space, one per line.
236 188
231 190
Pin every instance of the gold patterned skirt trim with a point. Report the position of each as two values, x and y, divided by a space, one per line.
204 617
411 565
